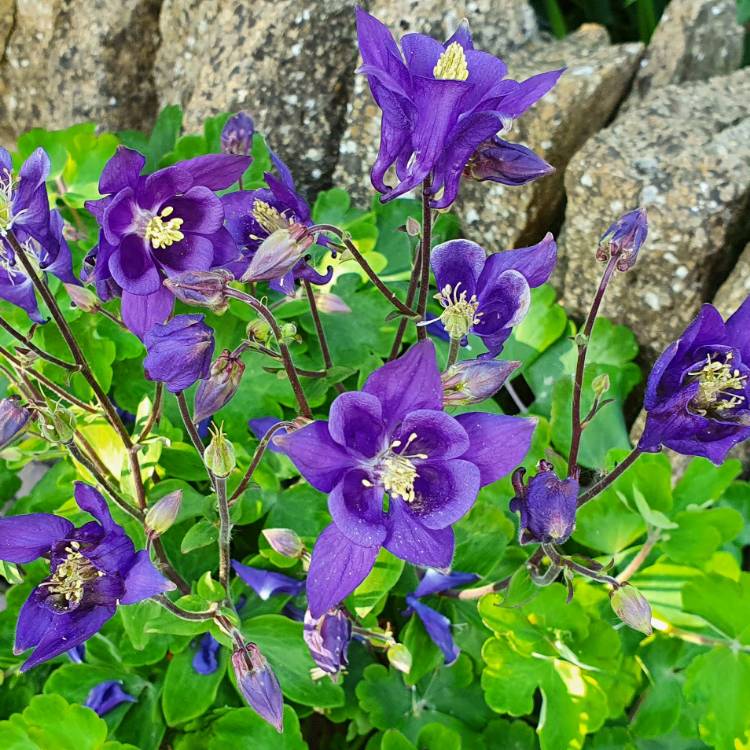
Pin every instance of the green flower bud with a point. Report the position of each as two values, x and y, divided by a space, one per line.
400 657
258 330
600 384
58 425
284 541
288 333
219 455
161 515
632 608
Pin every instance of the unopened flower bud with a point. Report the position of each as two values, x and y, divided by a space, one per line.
58 425
632 608
400 657
217 390
600 385
288 333
258 684
413 228
331 303
327 638
284 541
13 419
237 135
161 515
201 288
624 239
507 163
258 330
278 253
82 297
219 455
473 381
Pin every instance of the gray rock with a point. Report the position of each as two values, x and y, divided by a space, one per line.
498 26
735 290
695 40
289 64
72 60
684 155
581 103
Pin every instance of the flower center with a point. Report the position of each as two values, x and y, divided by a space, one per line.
270 218
716 380
6 199
161 233
67 583
460 312
451 65
396 470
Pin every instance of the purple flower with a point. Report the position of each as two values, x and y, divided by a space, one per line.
475 380
439 102
394 439
217 389
512 164
258 684
159 225
107 696
697 393
254 216
266 583
93 568
206 659
624 239
547 505
24 210
179 352
13 419
488 295
237 135
328 639
435 582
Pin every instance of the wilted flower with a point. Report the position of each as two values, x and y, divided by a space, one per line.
440 102
13 419
258 684
547 505
497 160
201 288
161 515
327 637
237 134
219 456
488 295
267 583
216 391
284 541
206 659
697 393
107 696
393 438
624 239
179 352
475 380
93 569
632 607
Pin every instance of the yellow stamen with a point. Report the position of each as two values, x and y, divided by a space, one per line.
161 233
451 65
460 312
716 380
66 586
270 218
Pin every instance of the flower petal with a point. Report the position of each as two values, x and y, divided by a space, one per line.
412 541
34 620
357 509
120 216
355 422
438 627
90 499
536 263
194 253
529 92
438 435
25 538
445 491
144 580
434 582
141 313
121 171
266 583
133 268
458 263
216 171
200 210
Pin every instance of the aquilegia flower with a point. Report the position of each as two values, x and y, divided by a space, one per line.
267 583
159 225
488 295
274 219
512 164
399 471
107 696
547 505
24 210
258 684
237 134
624 238
13 419
93 569
440 103
697 393
206 659
327 637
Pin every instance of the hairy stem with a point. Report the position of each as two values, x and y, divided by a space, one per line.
322 341
155 415
187 420
225 533
455 347
603 483
26 341
635 564
183 614
411 293
424 280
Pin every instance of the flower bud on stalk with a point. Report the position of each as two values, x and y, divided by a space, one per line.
84 299
278 253
202 288
600 385
237 135
218 389
258 684
331 303
161 515
58 425
258 330
507 163
400 657
288 333
219 455
632 608
13 419
624 239
285 542
473 381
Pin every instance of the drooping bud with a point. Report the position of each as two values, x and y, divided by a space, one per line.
473 381
258 684
632 608
331 303
237 135
201 288
547 505
82 298
413 227
278 253
327 638
624 239
219 455
258 330
13 419
507 163
217 390
285 541
58 425
161 515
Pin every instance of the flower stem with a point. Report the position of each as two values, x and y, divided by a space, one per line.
603 483
153 418
453 352
166 566
322 341
575 441
225 533
411 293
195 438
26 341
635 564
183 614
424 255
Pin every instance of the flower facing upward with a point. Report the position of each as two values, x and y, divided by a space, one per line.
237 134
399 472
488 295
624 239
93 569
697 393
440 103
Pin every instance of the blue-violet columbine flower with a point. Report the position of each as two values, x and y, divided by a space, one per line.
697 393
624 239
267 583
107 696
206 659
13 419
399 472
439 102
159 225
93 569
258 684
496 160
327 637
237 134
488 295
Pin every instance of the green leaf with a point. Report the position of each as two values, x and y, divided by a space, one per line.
704 483
243 728
395 740
426 656
438 737
651 517
163 136
209 589
386 571
143 725
700 533
722 602
204 532
180 461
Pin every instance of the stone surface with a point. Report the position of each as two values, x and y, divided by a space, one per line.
695 40
290 64
67 61
735 290
498 26
684 155
582 102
